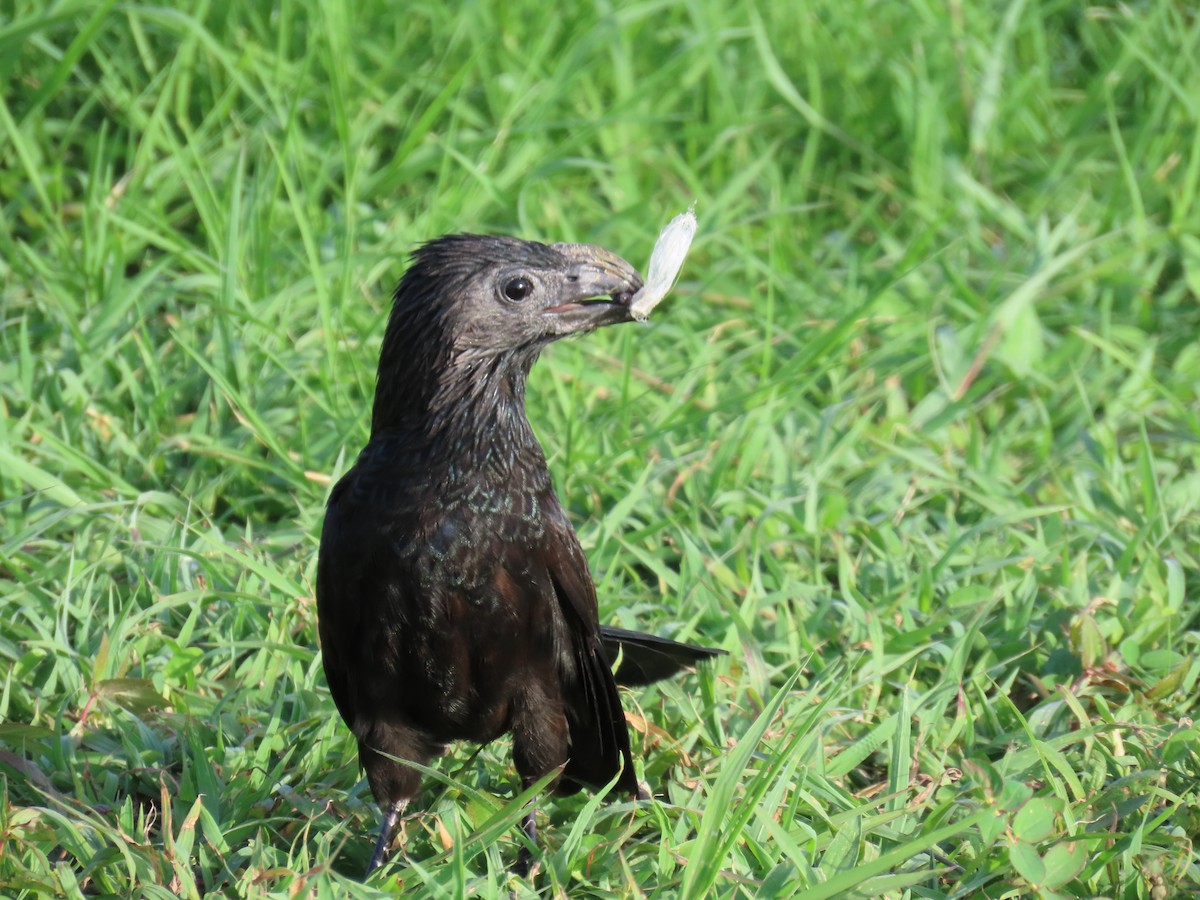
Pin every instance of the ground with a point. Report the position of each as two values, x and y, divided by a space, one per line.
915 439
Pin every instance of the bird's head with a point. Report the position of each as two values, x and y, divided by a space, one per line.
500 294
477 307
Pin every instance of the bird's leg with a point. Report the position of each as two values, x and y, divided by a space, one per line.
540 744
525 859
387 828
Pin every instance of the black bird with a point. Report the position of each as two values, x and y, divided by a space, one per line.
453 597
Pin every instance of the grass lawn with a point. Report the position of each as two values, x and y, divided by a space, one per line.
916 439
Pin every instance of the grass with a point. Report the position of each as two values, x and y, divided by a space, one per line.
916 439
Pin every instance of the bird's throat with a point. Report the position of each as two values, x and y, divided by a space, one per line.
470 420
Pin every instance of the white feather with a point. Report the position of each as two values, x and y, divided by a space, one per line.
665 262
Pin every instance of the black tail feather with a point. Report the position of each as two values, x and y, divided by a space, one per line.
599 735
646 658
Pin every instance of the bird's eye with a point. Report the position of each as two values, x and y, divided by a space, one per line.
518 289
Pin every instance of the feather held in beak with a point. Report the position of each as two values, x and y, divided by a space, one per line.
665 262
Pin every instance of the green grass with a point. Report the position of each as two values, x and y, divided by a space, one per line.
916 439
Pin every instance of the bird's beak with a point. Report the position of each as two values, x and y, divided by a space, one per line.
599 287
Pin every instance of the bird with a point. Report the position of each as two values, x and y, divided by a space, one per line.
454 600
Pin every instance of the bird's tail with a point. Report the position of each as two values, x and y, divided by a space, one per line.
646 658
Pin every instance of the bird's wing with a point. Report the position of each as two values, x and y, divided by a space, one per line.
338 606
599 736
363 583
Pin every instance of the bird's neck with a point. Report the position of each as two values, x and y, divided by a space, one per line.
470 420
